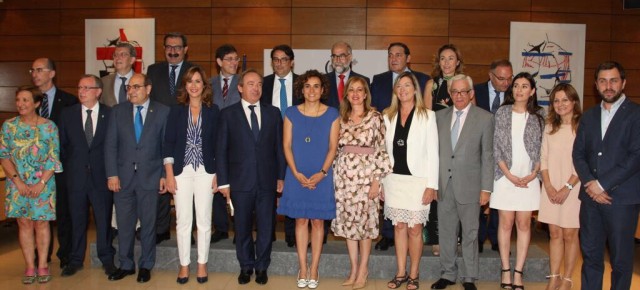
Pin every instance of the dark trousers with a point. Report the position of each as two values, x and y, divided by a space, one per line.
102 203
220 215
254 255
132 205
488 227
163 219
290 228
63 220
614 225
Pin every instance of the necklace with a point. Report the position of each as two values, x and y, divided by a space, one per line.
307 139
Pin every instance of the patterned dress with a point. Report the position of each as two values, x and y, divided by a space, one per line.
356 214
33 151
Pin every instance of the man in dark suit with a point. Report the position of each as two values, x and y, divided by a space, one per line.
489 96
466 132
165 78
381 93
277 90
250 167
382 84
606 156
43 73
225 94
83 128
114 92
133 160
341 63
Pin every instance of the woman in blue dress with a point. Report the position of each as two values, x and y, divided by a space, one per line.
310 144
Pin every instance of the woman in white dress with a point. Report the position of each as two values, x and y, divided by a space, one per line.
519 124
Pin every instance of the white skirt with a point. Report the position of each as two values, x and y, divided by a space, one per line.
403 199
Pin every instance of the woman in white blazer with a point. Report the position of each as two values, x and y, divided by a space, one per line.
412 141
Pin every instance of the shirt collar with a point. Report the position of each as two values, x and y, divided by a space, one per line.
145 105
289 76
94 109
465 110
615 105
246 104
51 92
128 75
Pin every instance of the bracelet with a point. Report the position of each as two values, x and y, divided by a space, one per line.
42 181
569 186
323 172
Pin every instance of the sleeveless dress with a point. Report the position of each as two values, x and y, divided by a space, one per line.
310 144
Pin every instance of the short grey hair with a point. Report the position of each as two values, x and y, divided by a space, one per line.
457 78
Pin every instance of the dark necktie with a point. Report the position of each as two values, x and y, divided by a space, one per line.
172 80
283 97
225 89
255 128
341 88
44 111
496 102
122 97
88 128
137 124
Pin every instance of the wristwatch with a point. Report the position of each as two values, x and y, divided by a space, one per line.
569 186
323 172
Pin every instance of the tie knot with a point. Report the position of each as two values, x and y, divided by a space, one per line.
282 81
89 112
341 76
458 113
497 93
251 107
139 108
226 80
124 79
174 67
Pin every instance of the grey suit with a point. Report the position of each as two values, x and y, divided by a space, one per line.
464 172
139 167
233 96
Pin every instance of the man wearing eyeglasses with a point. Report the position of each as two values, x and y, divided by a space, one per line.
82 130
489 96
341 63
43 75
277 90
133 162
114 91
465 136
166 78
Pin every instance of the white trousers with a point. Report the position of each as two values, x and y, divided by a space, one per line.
193 186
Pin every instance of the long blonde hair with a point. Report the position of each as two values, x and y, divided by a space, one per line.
345 105
420 107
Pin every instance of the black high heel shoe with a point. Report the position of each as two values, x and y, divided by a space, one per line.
518 286
505 285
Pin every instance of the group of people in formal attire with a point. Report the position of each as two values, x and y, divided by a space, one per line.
445 161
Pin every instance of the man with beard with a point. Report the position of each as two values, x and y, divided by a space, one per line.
606 156
341 62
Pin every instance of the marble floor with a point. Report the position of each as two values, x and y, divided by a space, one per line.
12 267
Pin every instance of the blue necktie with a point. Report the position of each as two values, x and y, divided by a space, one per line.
455 129
137 124
172 80
255 128
496 102
283 97
44 110
123 91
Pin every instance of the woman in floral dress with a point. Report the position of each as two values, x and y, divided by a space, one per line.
361 163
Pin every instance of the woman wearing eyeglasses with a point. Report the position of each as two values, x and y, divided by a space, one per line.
29 154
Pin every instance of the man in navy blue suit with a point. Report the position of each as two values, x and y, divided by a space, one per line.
381 93
83 128
489 96
277 90
606 156
250 166
341 56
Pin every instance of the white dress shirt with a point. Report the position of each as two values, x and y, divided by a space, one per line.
288 82
247 111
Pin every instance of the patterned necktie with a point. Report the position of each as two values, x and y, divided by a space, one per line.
255 128
455 130
283 97
44 111
172 80
225 89
88 128
137 124
341 88
123 91
496 102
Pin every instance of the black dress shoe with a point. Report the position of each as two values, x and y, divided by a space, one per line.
245 276
291 241
182 280
120 273
480 248
70 270
202 280
384 244
64 263
442 283
261 277
109 269
163 237
469 286
144 275
495 248
218 236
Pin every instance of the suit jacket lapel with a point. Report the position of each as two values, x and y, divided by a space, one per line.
466 127
148 120
76 122
617 118
101 125
128 119
242 116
